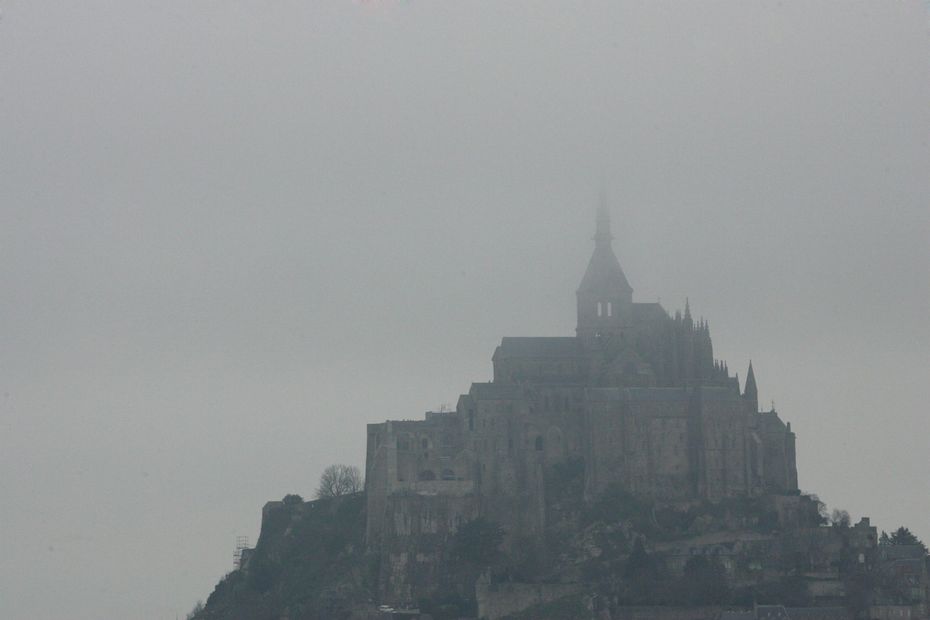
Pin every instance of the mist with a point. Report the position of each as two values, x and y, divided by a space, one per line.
234 233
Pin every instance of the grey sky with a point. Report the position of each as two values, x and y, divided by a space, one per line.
233 233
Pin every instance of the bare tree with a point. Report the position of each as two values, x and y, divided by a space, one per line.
339 480
839 518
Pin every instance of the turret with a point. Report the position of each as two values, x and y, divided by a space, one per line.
605 297
751 393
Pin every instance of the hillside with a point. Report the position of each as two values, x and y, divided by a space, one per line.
594 558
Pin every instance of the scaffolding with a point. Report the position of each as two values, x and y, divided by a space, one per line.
242 542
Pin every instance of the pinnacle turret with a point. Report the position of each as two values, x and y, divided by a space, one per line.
751 393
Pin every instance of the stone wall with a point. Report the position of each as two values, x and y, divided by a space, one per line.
414 543
497 600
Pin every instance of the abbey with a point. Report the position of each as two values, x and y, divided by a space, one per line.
635 394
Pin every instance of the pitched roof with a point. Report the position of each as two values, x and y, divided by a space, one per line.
538 347
496 391
648 311
604 272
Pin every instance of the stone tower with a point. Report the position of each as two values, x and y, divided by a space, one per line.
605 297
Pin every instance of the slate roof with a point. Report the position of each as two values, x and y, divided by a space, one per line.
604 272
648 311
538 347
496 391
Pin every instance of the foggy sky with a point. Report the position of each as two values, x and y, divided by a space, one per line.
233 233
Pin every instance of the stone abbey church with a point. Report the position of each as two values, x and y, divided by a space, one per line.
635 394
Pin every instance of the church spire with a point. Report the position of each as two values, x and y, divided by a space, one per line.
605 297
602 234
751 393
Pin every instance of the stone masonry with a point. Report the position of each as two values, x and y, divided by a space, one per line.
636 394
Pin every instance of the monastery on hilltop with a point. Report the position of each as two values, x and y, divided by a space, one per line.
635 394
617 473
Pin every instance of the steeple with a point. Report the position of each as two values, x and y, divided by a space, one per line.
605 297
602 234
751 393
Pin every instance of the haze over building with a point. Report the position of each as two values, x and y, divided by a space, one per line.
636 395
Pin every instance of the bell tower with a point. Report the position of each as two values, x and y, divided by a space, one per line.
605 297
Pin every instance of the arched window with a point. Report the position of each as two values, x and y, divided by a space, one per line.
600 309
539 443
427 474
610 308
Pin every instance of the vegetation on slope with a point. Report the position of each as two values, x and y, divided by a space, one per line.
310 561
309 564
